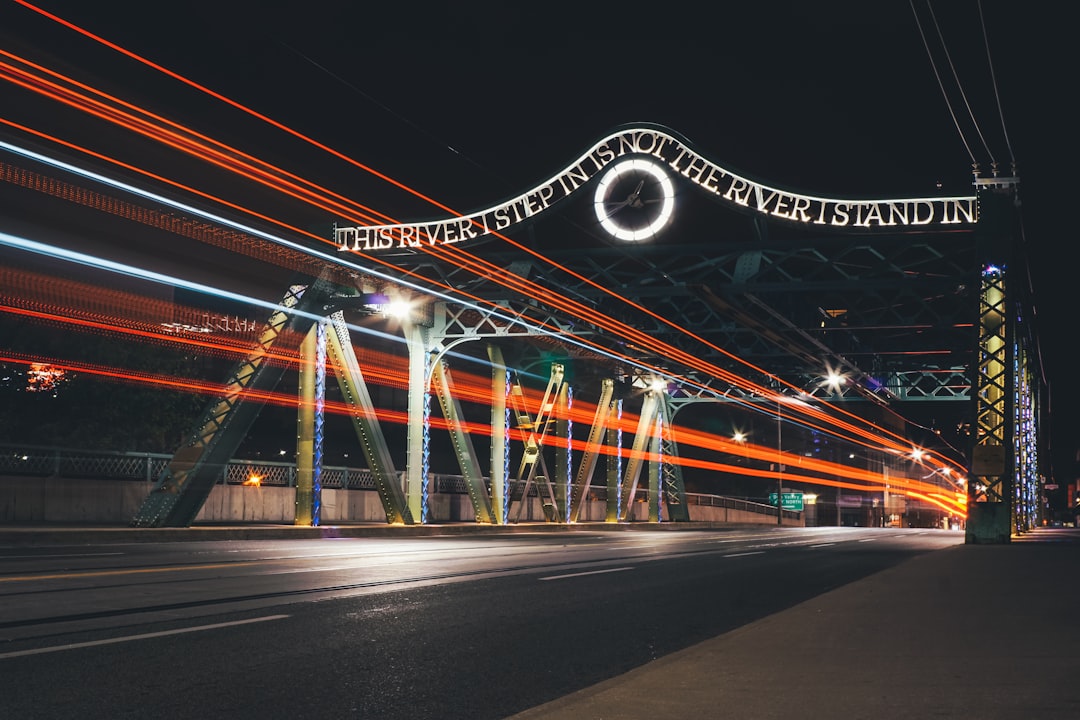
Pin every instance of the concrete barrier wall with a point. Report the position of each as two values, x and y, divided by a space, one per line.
115 502
63 500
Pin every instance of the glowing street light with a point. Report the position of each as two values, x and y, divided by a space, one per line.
834 380
400 309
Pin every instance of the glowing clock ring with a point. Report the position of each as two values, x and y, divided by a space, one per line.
602 199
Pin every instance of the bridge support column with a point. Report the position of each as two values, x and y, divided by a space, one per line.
564 431
500 432
417 462
593 447
672 487
442 379
990 487
614 464
643 437
309 430
655 463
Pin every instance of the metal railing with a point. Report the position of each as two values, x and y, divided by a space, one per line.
41 461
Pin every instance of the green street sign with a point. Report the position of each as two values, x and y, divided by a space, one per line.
788 501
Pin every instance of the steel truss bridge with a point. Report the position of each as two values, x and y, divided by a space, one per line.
738 298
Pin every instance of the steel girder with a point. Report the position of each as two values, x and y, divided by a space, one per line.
990 487
896 318
309 431
672 489
462 443
614 465
893 304
500 436
639 451
365 422
593 447
1004 480
906 321
536 428
894 310
186 482
564 430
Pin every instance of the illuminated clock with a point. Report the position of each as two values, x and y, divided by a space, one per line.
634 199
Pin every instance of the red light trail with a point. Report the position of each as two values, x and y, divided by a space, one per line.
266 175
188 141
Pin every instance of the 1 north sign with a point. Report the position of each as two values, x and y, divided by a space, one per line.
792 501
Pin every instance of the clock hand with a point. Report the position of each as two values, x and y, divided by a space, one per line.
617 208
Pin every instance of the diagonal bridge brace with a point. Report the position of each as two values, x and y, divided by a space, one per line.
185 483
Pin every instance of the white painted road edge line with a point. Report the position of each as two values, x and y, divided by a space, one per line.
757 552
64 555
590 572
822 545
144 636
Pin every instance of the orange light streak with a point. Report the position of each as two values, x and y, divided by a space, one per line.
487 269
340 408
482 267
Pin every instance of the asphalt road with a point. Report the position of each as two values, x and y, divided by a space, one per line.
464 627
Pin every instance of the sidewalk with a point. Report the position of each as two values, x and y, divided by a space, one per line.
974 631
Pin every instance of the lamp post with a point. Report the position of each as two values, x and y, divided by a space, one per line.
779 467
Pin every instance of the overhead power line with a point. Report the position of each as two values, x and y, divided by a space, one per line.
937 75
959 85
997 95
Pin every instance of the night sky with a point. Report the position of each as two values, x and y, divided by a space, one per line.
469 103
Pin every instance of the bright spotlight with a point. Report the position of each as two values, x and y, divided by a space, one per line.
834 380
400 309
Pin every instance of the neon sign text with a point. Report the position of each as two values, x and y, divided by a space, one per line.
849 214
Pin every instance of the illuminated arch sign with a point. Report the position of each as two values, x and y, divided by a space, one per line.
664 153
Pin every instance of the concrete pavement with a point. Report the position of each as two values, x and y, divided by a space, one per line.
54 534
973 631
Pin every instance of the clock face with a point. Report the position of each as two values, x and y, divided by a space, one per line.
634 199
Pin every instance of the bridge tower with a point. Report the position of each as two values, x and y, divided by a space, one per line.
1004 470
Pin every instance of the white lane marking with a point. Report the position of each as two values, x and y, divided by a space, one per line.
759 552
868 540
64 555
590 572
144 636
822 545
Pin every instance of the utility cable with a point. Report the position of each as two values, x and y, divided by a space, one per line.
997 96
960 87
933 66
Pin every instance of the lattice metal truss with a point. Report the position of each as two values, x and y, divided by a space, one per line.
889 310
993 380
893 308
672 488
182 488
1004 484
892 311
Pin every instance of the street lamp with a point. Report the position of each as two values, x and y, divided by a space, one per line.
781 398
